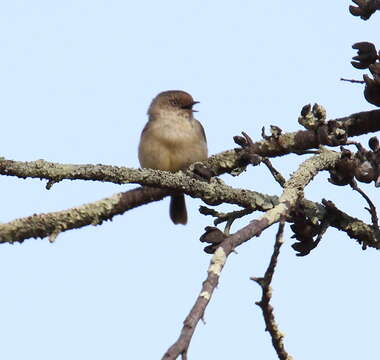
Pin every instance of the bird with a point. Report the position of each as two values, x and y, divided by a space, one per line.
172 140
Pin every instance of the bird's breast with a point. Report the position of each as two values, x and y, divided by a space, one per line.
172 144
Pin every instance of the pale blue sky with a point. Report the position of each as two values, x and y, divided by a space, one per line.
76 80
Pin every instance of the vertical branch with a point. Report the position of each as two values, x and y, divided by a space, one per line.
264 303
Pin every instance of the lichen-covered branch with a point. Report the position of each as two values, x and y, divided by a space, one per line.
213 192
51 224
293 191
356 229
42 225
225 162
297 142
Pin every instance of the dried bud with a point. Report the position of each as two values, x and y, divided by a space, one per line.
212 235
275 131
319 112
337 179
345 153
375 69
365 8
365 172
304 232
373 143
312 118
367 55
210 249
203 172
247 154
337 133
304 247
344 171
372 90
304 228
305 110
241 141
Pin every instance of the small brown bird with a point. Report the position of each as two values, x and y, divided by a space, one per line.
172 140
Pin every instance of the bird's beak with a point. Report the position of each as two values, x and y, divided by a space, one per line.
194 103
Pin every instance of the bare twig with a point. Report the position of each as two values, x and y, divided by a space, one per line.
371 209
264 303
223 217
276 174
353 81
306 152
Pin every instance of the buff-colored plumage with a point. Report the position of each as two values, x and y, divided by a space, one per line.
172 140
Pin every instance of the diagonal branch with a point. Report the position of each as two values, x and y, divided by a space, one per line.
51 224
293 191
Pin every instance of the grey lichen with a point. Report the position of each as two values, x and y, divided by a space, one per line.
217 262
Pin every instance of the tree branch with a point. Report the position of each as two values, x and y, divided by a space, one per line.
42 225
225 162
293 191
264 303
51 224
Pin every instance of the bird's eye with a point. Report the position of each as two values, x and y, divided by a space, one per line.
173 102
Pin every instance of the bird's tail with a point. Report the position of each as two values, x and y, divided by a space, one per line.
178 212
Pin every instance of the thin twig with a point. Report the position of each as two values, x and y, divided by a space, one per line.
223 217
371 209
276 174
353 81
306 152
264 303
